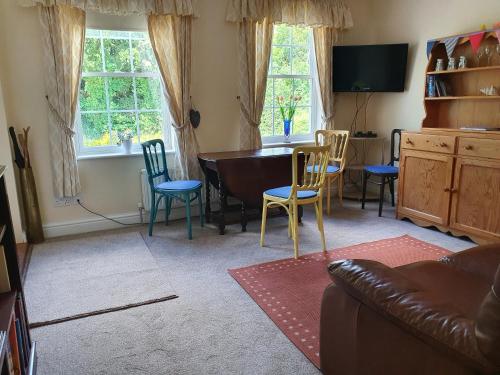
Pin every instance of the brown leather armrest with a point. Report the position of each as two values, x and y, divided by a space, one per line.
400 300
481 261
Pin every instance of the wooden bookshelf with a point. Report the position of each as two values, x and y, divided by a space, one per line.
466 70
17 352
468 97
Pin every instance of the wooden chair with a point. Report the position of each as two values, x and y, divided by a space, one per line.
338 139
387 173
307 191
156 166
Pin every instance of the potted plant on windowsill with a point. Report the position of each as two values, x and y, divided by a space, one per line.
287 109
125 140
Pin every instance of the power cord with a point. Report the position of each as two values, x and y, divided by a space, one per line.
105 217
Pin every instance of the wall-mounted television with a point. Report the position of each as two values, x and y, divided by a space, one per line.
370 68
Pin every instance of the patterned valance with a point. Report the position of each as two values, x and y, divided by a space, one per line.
125 7
331 13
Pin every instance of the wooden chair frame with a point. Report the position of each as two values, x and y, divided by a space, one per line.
319 158
157 167
338 141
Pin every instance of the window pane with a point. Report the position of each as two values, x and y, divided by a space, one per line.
266 122
148 93
278 122
121 93
92 33
92 94
121 122
144 58
300 60
95 129
283 87
302 87
281 34
301 121
117 55
281 60
151 125
92 60
300 35
115 34
269 98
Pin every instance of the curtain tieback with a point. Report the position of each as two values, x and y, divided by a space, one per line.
326 119
60 122
248 117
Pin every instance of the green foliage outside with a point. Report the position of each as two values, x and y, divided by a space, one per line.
289 56
109 104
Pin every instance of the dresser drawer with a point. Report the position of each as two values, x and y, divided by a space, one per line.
444 144
481 147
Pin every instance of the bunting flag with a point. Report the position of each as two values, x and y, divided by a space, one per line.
450 44
475 41
430 46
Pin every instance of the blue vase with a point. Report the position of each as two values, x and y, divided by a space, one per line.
287 126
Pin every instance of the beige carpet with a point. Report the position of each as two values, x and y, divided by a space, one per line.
91 274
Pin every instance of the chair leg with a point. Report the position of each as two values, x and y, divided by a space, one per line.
263 224
328 192
319 219
290 219
381 198
391 187
152 213
341 188
365 182
168 207
295 231
200 203
188 216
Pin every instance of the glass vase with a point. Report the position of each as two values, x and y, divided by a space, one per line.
287 126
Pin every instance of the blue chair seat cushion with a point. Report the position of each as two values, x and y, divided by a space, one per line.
329 169
382 169
182 185
284 192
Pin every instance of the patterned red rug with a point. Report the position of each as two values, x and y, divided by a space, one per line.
290 291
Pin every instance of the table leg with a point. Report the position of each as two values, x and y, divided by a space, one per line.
243 218
222 198
208 208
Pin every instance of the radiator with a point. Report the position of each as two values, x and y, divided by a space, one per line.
146 193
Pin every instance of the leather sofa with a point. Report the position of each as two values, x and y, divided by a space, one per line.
433 317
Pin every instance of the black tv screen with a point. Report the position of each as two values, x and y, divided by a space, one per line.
372 68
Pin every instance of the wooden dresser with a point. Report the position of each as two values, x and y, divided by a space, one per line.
450 177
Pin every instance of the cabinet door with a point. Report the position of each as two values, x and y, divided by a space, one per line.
425 184
475 205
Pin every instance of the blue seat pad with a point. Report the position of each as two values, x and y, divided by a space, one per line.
382 169
329 169
179 185
284 192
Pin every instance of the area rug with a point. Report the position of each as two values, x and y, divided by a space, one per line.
290 291
70 279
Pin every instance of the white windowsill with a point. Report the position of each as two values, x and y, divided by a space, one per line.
289 144
115 155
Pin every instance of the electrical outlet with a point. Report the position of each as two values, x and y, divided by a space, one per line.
67 201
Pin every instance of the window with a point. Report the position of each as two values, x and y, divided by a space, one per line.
290 74
120 91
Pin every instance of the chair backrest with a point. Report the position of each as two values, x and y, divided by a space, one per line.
156 162
395 145
316 157
338 140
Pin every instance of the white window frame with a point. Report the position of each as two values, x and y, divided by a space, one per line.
168 133
314 105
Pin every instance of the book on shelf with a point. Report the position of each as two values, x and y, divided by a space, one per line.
19 309
14 348
4 272
20 346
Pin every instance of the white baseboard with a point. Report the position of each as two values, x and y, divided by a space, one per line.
98 223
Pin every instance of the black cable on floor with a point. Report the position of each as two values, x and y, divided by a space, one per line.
105 217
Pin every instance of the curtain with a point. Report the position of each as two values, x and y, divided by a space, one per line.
332 13
255 39
324 39
171 41
63 38
124 7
